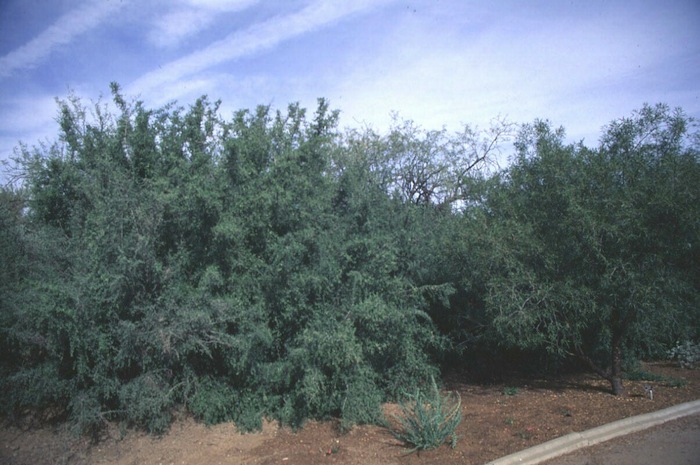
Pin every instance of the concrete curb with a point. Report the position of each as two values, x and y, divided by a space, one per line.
574 441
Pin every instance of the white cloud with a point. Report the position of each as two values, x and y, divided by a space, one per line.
188 19
184 91
222 5
254 39
172 28
63 31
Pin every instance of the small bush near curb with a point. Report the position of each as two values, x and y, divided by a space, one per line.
687 354
428 420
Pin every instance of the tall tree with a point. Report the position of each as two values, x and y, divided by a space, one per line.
434 167
588 243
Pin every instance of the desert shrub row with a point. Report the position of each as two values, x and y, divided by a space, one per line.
272 265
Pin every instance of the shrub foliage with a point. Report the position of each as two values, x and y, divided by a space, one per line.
271 265
238 268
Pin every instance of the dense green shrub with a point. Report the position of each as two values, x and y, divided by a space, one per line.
168 258
270 266
686 353
148 401
215 401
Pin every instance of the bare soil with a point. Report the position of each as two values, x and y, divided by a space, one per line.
499 418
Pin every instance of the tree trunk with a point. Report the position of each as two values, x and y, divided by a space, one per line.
613 374
616 368
617 388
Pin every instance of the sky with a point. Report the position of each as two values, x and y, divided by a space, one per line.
440 63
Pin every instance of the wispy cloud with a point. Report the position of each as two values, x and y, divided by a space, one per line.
63 31
254 39
185 20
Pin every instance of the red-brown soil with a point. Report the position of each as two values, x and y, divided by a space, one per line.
494 424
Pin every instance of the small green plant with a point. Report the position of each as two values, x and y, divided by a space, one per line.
525 434
428 420
687 354
647 376
510 391
676 382
640 375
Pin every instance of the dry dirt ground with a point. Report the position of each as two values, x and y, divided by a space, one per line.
499 418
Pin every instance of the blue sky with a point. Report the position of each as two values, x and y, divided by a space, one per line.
437 62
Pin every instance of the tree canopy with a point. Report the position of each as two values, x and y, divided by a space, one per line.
594 246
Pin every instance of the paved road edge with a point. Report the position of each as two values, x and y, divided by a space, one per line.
574 441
